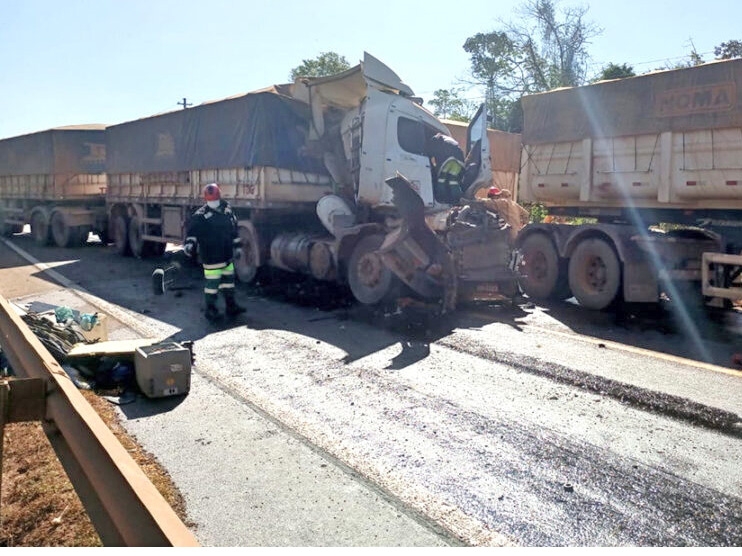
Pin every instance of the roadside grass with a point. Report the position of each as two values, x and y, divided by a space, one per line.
39 506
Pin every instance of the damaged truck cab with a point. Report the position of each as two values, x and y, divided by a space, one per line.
392 233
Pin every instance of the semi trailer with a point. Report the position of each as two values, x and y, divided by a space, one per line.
329 177
55 181
642 181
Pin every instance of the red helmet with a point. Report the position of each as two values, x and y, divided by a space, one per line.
212 192
493 192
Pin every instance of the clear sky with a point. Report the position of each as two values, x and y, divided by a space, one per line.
65 62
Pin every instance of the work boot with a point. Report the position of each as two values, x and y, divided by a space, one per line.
233 308
211 311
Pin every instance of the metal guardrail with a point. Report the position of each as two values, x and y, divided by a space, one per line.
125 507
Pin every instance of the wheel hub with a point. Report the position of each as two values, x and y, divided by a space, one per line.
370 269
597 274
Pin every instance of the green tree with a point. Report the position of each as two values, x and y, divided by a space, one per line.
614 71
448 104
327 63
544 49
728 50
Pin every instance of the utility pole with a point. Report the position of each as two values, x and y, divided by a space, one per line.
184 104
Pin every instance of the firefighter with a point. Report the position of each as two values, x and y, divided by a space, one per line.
212 233
447 168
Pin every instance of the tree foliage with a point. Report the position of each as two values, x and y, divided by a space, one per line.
327 63
448 104
544 49
728 50
614 71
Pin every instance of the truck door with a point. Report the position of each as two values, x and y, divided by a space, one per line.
478 172
406 152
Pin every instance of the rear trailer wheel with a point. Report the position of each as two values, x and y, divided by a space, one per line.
370 281
594 274
542 274
121 235
136 243
246 267
40 228
65 235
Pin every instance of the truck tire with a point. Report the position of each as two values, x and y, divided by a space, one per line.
594 274
65 235
141 248
370 281
40 228
543 275
136 243
121 235
246 267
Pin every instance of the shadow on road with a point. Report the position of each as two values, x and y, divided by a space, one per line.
278 301
292 303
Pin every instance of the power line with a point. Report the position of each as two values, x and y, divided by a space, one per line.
659 60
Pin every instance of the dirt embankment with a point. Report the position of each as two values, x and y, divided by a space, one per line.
39 506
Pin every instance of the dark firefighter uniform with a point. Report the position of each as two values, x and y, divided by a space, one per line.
213 231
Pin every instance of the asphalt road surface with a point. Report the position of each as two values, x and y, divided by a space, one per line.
315 422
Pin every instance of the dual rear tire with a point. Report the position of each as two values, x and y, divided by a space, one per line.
595 274
592 274
127 239
65 235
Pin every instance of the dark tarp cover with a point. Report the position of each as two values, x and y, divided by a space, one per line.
702 97
262 128
71 150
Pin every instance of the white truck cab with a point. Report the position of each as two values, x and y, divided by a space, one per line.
385 130
397 219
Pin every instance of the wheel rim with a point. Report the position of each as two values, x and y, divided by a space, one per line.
246 267
370 270
595 274
369 279
536 266
540 269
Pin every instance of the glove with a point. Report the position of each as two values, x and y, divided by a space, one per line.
237 254
188 249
